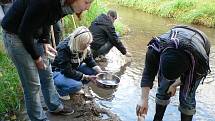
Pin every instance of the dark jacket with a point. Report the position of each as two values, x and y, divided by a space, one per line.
67 62
31 19
103 31
190 40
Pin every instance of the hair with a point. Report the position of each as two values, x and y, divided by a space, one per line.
69 2
112 13
78 37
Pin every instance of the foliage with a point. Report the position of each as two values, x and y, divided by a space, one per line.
191 11
96 9
87 17
11 92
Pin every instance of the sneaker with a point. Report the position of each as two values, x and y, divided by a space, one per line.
66 97
65 111
80 92
101 58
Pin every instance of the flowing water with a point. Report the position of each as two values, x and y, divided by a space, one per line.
123 100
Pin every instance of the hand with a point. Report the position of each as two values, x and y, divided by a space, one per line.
128 54
172 90
97 69
91 78
50 51
142 108
39 63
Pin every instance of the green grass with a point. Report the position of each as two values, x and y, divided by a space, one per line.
96 9
11 92
201 12
87 17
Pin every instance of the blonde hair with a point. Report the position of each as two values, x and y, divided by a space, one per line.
80 35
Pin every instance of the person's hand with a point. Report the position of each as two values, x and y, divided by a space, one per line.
128 54
91 78
172 90
97 69
50 51
39 63
142 108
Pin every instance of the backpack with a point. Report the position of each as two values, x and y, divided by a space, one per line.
175 38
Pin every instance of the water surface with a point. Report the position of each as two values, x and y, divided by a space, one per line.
142 27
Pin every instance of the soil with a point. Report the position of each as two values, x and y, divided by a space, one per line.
85 108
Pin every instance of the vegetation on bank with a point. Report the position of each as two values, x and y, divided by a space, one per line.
11 93
200 12
96 9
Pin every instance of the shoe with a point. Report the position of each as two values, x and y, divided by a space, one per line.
101 58
80 92
66 97
65 111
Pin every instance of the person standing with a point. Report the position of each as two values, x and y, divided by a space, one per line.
182 52
26 28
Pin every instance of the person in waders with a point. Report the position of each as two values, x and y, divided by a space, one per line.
182 52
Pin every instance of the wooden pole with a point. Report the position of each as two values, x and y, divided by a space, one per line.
74 21
53 37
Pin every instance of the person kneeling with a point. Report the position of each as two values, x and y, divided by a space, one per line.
105 36
74 64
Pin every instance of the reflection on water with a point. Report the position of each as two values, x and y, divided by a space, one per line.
101 93
123 100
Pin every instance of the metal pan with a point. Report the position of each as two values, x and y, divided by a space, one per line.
107 80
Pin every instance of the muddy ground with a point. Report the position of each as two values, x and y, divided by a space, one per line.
85 108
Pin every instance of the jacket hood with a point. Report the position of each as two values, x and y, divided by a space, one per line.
103 19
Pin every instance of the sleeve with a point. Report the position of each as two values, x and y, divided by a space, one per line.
45 37
33 19
66 66
89 60
114 39
151 68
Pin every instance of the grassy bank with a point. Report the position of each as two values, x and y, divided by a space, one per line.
200 12
96 9
70 22
11 93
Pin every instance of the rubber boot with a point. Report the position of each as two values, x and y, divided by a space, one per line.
160 110
185 117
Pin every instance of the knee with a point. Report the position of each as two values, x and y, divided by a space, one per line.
162 101
75 87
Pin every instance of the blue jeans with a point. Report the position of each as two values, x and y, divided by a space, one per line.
66 86
31 79
187 103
